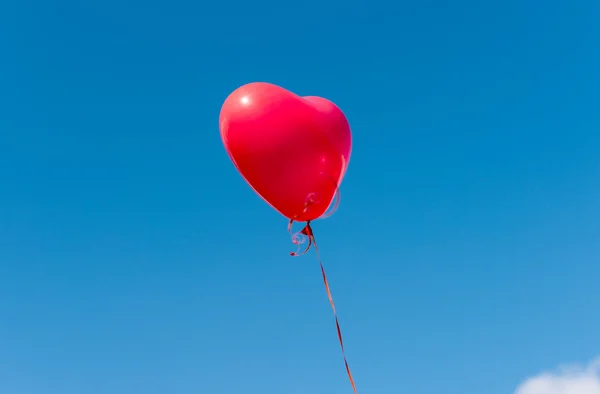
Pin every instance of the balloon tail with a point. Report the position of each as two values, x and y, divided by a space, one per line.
299 238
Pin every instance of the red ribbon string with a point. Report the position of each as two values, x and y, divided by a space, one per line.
308 233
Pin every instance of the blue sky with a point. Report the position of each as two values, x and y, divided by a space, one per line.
134 259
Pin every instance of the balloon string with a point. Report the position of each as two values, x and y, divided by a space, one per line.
336 204
308 233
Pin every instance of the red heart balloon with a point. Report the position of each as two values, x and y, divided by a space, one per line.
292 150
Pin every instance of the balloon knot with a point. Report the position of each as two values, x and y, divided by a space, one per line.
301 237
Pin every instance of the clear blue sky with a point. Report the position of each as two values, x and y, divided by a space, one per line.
134 259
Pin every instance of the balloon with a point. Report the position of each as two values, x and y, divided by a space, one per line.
293 151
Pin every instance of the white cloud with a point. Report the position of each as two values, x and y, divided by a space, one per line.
566 380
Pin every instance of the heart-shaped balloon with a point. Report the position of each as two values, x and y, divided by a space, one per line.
292 150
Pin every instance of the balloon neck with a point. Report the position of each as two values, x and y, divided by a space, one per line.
301 237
